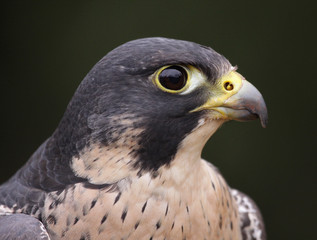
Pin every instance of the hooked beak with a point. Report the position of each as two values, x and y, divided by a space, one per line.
247 104
236 99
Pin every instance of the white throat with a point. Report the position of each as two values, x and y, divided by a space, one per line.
187 161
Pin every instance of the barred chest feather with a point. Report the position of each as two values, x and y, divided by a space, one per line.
188 199
145 208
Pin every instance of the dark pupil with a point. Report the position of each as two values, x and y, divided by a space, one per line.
173 78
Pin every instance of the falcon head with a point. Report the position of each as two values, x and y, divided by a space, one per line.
148 100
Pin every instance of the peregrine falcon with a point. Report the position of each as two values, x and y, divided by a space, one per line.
125 160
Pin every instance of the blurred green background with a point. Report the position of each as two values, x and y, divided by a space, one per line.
47 48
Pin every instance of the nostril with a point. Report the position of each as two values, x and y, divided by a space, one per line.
228 86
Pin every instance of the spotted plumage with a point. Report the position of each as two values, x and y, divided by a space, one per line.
125 161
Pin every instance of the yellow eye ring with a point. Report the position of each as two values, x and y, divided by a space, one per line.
172 78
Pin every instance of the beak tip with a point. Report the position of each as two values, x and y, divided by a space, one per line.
264 119
264 123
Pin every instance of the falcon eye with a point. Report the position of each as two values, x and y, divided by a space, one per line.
172 79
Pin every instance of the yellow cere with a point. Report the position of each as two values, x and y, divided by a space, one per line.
223 89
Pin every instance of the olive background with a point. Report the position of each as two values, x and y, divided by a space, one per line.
47 48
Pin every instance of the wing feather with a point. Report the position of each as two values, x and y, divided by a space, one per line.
251 221
21 226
